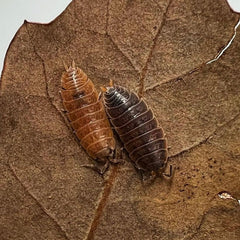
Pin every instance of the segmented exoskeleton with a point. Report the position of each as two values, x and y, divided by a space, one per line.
87 116
138 129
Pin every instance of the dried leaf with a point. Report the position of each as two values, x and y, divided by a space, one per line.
46 194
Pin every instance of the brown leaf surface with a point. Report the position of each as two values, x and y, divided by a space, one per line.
46 194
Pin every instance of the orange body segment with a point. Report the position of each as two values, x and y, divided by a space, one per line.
86 114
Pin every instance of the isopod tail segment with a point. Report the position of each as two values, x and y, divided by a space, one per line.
102 166
149 177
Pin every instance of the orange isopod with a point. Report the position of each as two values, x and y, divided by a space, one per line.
87 116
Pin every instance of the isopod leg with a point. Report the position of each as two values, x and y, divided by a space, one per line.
100 95
170 174
101 169
116 160
63 110
146 177
118 157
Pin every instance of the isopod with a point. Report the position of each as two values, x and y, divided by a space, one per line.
138 130
86 114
